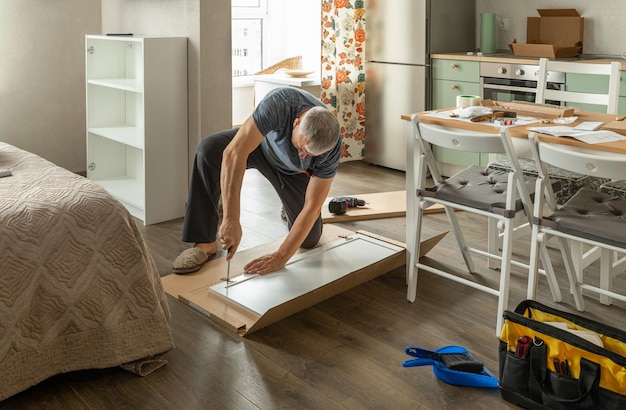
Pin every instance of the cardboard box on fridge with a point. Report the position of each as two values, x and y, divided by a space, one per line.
557 33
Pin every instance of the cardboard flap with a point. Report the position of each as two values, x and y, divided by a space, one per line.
569 32
227 315
558 13
551 51
535 50
533 30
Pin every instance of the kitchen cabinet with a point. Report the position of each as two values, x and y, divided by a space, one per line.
451 78
136 120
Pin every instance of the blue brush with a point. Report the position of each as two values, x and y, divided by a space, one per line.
454 365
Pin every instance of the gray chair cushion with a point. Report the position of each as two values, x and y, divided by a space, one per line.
593 215
569 182
481 188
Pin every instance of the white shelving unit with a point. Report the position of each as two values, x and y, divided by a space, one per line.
137 122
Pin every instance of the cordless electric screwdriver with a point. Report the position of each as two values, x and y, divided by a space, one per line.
338 205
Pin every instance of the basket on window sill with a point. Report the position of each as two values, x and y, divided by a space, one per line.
291 63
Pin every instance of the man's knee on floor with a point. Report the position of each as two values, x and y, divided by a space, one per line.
312 240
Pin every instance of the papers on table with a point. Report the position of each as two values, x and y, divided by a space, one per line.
588 125
589 137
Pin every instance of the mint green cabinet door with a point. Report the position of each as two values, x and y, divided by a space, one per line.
461 158
457 70
452 78
446 91
621 109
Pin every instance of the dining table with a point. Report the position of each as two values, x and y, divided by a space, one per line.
611 122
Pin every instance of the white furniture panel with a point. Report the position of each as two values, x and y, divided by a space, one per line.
304 273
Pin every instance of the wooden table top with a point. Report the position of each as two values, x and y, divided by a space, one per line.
612 122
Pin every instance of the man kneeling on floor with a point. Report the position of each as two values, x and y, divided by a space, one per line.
294 141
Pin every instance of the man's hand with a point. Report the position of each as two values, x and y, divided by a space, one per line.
266 264
230 235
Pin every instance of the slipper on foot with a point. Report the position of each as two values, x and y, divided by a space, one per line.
190 260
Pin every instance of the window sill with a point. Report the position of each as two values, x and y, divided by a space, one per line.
240 82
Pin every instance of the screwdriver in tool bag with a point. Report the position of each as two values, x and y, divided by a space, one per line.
522 346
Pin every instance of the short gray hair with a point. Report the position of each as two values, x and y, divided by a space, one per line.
321 129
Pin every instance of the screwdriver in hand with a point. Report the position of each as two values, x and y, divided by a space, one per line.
227 278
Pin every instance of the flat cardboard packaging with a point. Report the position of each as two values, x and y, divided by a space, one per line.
557 33
192 289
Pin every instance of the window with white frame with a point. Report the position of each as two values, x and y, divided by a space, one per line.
265 32
248 34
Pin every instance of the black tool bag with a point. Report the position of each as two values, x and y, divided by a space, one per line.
550 359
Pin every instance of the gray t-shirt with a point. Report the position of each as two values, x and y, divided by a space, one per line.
274 117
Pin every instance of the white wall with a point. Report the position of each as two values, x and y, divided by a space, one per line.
42 76
605 31
206 24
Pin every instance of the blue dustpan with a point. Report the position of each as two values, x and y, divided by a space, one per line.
458 378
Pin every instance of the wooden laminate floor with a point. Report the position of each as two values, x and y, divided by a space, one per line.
343 353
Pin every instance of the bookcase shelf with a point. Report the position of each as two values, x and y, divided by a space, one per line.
137 122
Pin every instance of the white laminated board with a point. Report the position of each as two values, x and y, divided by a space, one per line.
193 289
305 273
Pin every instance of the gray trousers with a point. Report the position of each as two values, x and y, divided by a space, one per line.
201 215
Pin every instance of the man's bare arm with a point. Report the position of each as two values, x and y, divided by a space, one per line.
316 194
234 161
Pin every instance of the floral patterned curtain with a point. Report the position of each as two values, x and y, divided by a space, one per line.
343 73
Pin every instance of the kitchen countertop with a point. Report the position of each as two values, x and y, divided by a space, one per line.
509 58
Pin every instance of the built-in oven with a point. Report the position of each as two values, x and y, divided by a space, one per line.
515 82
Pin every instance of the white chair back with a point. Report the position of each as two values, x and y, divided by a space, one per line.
456 139
609 99
590 162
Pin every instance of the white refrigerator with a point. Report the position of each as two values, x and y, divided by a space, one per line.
400 37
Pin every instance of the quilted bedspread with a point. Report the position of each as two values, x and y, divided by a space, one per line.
78 286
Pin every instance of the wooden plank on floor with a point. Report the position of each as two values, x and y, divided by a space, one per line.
377 205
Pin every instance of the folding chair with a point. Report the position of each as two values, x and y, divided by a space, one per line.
608 101
610 72
498 195
592 218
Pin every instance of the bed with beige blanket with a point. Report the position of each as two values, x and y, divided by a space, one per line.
78 286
